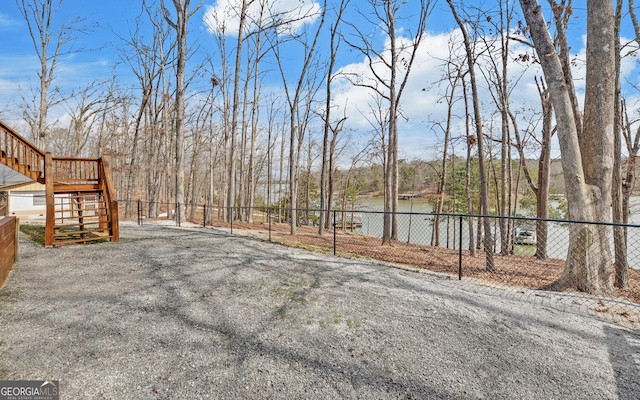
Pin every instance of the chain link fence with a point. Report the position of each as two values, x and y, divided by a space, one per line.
526 254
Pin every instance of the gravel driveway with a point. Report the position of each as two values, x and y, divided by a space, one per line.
184 314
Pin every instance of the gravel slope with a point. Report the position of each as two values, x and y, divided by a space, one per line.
173 313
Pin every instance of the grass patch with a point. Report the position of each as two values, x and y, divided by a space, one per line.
34 232
524 250
5 296
291 288
308 247
282 312
353 324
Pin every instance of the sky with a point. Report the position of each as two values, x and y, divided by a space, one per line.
104 23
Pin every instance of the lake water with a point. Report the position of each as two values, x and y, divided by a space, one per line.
419 229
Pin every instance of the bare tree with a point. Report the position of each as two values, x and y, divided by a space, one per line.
180 24
501 83
484 187
334 45
454 76
541 187
623 181
49 42
471 141
83 108
397 61
299 99
146 61
587 158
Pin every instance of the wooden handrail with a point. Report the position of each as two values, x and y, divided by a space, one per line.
19 154
75 159
15 134
109 193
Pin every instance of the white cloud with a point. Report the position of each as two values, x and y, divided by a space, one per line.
6 22
422 102
224 15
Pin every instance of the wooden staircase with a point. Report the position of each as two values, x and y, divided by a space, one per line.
80 197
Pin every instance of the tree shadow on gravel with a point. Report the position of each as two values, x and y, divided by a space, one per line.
624 348
247 346
194 270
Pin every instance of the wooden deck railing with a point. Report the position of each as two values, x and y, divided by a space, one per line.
65 170
17 153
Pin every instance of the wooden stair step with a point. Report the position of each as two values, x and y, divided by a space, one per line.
75 215
75 210
79 232
77 225
88 218
72 241
24 169
9 161
77 203
85 213
69 215
88 199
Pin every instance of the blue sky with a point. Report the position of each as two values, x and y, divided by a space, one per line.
105 20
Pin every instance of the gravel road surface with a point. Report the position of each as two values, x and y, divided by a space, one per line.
174 313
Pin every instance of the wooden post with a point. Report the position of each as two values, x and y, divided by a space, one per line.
15 241
80 204
110 195
50 200
103 221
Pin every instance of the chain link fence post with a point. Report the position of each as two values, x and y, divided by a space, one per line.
460 250
334 232
269 218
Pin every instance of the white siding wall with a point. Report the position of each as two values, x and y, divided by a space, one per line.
20 204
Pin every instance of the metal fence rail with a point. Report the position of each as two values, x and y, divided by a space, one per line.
528 254
531 253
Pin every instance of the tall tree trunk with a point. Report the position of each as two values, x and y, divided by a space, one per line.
180 26
471 140
484 186
231 194
325 169
435 239
587 162
621 263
